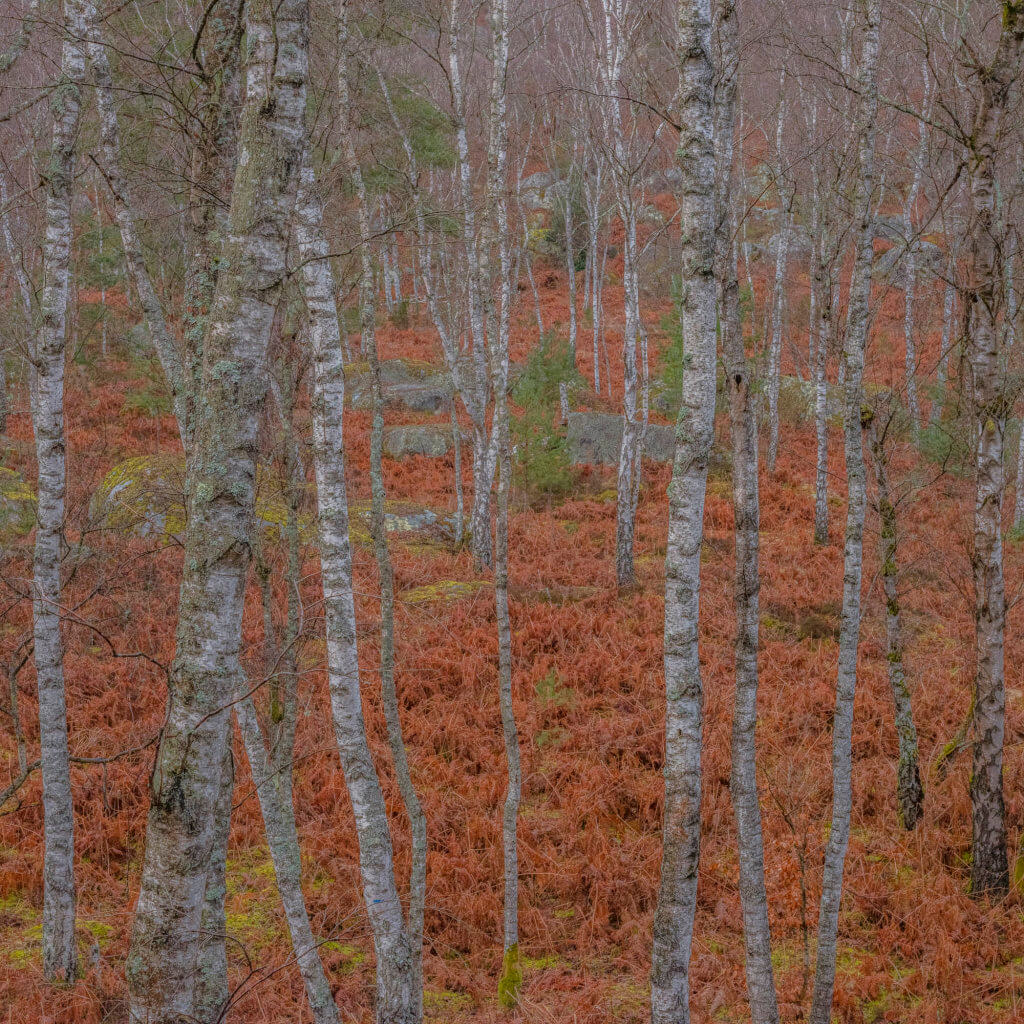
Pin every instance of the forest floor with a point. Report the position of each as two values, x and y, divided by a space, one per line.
588 690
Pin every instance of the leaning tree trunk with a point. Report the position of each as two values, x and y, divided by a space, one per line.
219 487
746 506
271 759
989 402
909 791
47 394
386 576
677 896
849 634
273 788
397 998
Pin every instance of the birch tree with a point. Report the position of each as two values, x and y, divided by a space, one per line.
984 297
853 549
909 791
399 994
612 30
785 215
497 203
475 391
220 478
909 259
677 895
47 356
746 508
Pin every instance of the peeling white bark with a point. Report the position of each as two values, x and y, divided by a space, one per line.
677 896
220 481
47 355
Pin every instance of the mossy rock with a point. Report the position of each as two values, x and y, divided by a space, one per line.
427 439
17 505
442 590
144 496
442 1003
406 384
400 517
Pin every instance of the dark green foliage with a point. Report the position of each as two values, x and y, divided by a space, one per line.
542 468
152 398
430 134
551 242
399 314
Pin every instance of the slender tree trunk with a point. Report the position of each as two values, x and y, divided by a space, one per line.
985 299
779 291
570 265
510 983
480 514
220 480
935 414
273 788
397 998
746 506
822 274
677 896
629 450
849 634
910 268
413 808
60 960
909 791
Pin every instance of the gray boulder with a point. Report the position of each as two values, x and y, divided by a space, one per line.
406 383
595 438
417 439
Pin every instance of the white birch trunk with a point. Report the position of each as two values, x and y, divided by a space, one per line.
220 479
746 506
511 976
47 355
778 293
480 515
849 636
985 297
909 791
677 896
910 284
935 414
399 993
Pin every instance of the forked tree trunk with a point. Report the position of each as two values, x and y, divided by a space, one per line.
746 506
220 481
677 896
849 634
985 298
47 354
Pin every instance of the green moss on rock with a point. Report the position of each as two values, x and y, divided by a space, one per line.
17 505
144 496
